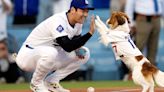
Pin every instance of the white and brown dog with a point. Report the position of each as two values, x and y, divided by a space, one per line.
143 72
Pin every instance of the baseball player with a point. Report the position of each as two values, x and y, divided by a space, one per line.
56 44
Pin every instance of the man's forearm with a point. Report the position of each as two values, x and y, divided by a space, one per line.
72 44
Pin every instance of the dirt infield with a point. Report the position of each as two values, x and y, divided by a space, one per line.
99 90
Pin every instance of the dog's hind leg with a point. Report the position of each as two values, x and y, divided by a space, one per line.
139 79
145 88
148 88
151 89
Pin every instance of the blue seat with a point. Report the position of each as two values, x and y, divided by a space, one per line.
160 59
160 54
20 35
105 69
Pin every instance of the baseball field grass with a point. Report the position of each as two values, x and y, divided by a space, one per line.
74 86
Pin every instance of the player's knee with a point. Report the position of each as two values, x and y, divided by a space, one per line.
49 54
23 65
26 68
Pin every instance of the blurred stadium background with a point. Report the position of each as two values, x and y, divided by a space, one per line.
102 65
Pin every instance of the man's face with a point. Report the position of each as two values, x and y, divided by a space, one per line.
3 50
81 15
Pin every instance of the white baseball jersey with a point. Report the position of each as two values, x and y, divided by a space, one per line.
122 44
52 28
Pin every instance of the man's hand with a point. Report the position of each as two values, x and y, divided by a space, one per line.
92 25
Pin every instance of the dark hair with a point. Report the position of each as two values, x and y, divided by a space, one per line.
70 9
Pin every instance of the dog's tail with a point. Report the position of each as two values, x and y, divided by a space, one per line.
158 76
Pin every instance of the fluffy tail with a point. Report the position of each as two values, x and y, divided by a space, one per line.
159 78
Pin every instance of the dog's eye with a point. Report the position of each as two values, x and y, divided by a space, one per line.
120 20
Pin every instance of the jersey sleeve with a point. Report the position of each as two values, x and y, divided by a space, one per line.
58 28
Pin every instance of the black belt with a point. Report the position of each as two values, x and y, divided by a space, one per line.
56 45
29 46
148 17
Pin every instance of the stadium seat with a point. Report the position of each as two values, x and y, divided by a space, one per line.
105 69
20 35
160 54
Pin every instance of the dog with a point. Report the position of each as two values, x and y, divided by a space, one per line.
143 72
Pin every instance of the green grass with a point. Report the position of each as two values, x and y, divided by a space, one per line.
96 84
14 86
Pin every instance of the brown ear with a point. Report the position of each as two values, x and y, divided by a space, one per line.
123 14
127 18
120 19
112 20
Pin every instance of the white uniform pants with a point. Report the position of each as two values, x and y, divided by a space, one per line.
45 59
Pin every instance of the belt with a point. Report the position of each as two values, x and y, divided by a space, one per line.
151 16
27 46
148 17
121 56
56 45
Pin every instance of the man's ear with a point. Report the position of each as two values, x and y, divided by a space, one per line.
73 9
120 20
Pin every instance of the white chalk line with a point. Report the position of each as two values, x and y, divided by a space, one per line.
126 90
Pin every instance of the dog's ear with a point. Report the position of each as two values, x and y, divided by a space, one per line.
124 15
120 19
112 20
127 18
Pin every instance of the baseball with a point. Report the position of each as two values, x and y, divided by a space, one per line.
91 89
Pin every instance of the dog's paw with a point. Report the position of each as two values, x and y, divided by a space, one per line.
104 40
